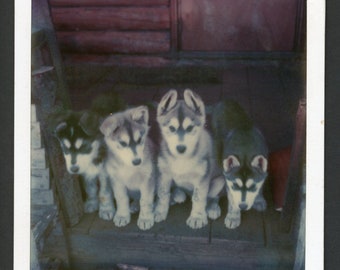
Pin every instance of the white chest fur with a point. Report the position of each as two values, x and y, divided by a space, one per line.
130 176
185 172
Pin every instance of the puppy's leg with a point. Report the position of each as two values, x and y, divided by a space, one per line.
260 203
163 194
213 209
198 216
233 218
215 189
146 217
122 216
91 188
106 207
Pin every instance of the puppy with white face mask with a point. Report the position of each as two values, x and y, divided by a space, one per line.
185 161
242 153
130 164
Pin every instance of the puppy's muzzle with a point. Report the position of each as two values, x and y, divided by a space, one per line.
243 206
74 168
137 161
181 148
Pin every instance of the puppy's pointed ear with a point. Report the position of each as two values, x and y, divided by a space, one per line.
194 102
168 101
140 115
109 125
89 122
230 162
260 162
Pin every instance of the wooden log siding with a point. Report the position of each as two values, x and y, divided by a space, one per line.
111 42
118 18
96 3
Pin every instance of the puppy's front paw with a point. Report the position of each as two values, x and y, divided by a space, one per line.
214 211
121 221
145 223
161 213
160 216
197 222
260 204
106 212
91 206
232 221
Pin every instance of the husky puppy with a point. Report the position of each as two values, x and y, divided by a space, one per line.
242 153
84 152
130 164
185 158
84 149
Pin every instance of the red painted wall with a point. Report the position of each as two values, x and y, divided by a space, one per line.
242 25
162 27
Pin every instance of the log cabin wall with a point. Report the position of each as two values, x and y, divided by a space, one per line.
155 32
98 29
243 25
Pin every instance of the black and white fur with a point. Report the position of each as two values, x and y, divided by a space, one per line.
130 164
243 156
186 159
84 152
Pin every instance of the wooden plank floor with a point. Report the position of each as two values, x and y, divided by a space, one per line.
270 93
256 244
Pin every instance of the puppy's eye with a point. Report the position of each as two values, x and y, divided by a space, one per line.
172 129
235 186
123 144
252 188
190 128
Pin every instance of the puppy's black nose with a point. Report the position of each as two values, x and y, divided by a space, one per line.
74 168
136 161
243 206
181 148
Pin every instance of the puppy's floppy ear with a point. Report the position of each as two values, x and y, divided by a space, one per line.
140 115
230 162
57 121
167 102
109 125
194 102
89 122
59 128
260 162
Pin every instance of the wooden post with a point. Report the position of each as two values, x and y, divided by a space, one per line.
41 20
295 169
49 91
174 26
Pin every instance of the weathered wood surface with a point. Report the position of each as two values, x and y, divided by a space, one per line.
171 244
90 252
295 169
236 85
69 196
67 186
114 18
228 25
268 106
43 28
250 230
109 2
174 25
114 42
175 228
